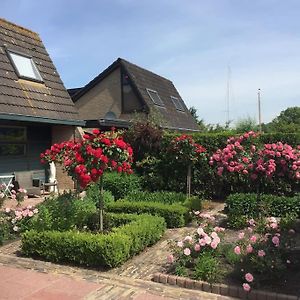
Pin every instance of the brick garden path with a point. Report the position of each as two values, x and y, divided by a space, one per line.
44 280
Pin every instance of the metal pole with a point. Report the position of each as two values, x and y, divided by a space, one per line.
259 111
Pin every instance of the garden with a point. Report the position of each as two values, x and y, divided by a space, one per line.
133 186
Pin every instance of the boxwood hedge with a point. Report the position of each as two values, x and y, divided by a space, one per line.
175 215
242 206
90 249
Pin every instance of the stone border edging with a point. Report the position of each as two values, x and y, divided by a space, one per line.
220 289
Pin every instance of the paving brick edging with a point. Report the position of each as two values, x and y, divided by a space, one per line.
220 289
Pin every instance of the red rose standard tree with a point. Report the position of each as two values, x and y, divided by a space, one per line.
86 161
186 152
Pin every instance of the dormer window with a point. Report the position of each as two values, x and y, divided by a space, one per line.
177 103
24 66
155 97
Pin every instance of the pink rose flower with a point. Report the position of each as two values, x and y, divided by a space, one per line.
202 242
187 251
261 253
241 235
207 239
253 239
275 241
249 277
197 247
249 249
214 245
200 231
246 287
237 250
214 235
180 244
170 258
188 239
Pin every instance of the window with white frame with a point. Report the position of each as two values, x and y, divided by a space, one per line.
177 103
155 97
24 66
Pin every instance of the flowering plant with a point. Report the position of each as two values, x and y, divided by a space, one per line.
243 160
86 161
262 256
198 249
19 217
186 150
20 195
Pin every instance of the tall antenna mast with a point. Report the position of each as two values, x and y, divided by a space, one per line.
259 111
228 95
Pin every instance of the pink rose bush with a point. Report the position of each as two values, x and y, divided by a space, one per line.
261 251
19 217
241 161
205 242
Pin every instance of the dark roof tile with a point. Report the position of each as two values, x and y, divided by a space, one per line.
22 97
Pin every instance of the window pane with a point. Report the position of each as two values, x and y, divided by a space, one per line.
177 103
155 97
25 66
12 149
12 134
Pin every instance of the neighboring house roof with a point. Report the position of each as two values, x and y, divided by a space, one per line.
25 100
142 80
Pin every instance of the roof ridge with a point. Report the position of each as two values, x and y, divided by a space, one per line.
126 61
2 20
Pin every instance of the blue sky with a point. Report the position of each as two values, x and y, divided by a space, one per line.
191 42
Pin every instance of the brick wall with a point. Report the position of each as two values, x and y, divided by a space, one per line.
102 98
60 134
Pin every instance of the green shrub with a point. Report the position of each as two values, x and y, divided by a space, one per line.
5 228
162 197
193 203
120 185
159 173
242 204
62 213
106 250
175 215
241 207
77 247
93 193
207 267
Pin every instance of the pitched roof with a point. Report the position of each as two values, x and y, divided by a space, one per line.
27 100
142 80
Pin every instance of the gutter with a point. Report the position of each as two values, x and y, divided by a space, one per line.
27 118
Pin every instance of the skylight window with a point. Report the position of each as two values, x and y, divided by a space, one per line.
177 103
155 97
25 66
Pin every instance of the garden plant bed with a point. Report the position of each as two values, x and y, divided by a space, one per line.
221 289
287 285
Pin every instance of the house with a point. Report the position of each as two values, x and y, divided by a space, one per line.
35 108
124 91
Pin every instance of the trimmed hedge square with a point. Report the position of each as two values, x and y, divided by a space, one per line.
175 215
105 250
